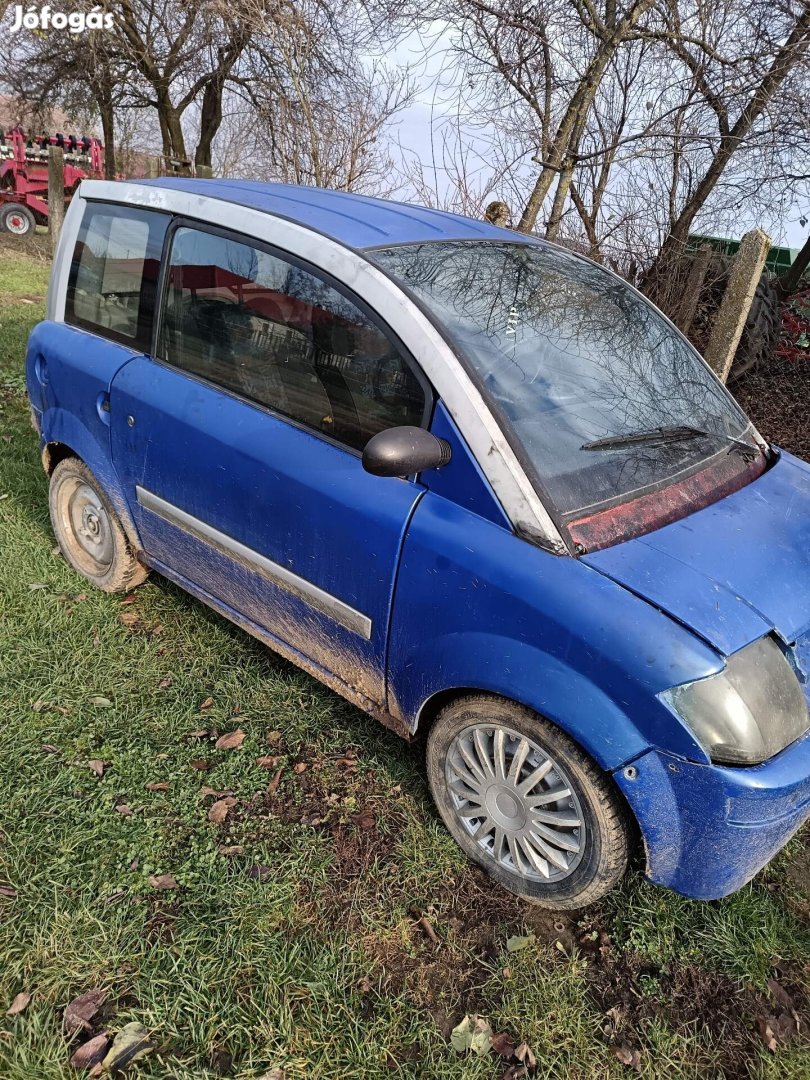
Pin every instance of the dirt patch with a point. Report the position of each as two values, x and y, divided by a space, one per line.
777 398
36 245
631 994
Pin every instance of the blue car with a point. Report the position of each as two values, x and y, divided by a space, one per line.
475 483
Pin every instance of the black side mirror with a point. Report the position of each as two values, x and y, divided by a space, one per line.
403 451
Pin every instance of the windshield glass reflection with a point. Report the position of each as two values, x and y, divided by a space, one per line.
569 354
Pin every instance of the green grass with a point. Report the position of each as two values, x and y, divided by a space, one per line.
297 945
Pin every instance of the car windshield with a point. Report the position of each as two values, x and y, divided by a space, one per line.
574 361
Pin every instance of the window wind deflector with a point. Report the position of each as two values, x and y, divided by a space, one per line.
661 436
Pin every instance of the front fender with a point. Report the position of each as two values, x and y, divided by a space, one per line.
522 673
477 607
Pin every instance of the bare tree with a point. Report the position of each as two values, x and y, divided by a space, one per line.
740 83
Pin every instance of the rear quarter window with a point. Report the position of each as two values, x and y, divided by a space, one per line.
112 286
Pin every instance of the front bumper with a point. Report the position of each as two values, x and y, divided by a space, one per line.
708 829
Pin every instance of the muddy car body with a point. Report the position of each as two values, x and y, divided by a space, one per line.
473 482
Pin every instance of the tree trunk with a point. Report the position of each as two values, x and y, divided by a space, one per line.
578 109
210 121
171 130
675 243
105 108
788 282
560 199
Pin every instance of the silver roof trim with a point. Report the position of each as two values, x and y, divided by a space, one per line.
464 402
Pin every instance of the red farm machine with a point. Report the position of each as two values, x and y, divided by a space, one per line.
24 175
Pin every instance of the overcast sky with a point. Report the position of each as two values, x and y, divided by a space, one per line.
430 56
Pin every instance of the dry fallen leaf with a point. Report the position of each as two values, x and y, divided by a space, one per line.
162 786
90 1053
164 684
200 733
231 849
218 812
366 821
629 1057
97 766
130 1044
300 767
82 1011
274 1074
272 738
503 1045
123 809
49 748
269 761
102 702
129 618
8 891
163 881
259 872
519 941
231 740
19 1003
200 764
525 1056
272 787
473 1034
130 598
209 701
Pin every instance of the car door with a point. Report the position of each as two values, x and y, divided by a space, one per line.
239 444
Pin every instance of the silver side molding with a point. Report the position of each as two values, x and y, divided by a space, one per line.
299 587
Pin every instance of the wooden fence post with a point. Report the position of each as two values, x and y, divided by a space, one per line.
56 193
204 172
729 322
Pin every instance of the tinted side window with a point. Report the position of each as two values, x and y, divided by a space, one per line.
112 286
269 330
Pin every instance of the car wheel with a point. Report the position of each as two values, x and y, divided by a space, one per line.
17 219
89 532
526 803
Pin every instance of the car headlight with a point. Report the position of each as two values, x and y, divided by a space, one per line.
749 711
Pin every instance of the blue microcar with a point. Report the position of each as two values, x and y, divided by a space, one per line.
473 482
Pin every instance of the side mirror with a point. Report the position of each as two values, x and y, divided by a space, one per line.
404 451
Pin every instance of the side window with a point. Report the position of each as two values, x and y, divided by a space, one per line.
112 287
268 330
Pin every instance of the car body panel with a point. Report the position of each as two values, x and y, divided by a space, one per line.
68 373
708 830
734 570
478 607
279 491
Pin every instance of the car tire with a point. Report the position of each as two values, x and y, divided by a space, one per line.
17 219
475 745
88 530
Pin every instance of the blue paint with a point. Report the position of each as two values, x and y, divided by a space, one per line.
456 599
284 492
707 830
732 571
355 220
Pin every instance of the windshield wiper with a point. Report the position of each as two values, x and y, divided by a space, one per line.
662 436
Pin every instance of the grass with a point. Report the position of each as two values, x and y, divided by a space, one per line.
292 939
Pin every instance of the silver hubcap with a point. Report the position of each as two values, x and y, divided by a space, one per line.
16 223
90 524
516 802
